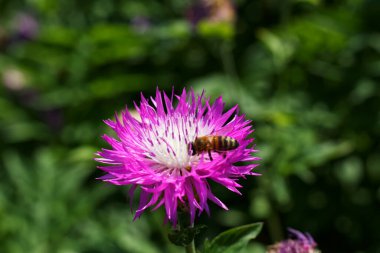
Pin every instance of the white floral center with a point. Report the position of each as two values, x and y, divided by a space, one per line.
167 140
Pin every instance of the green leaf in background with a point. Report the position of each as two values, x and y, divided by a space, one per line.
45 208
223 30
233 240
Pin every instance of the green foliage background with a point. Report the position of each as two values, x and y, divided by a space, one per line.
306 72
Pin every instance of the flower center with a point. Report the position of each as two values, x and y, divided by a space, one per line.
167 138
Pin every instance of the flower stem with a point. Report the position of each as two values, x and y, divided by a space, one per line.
190 248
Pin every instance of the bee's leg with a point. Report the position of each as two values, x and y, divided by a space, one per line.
224 154
209 155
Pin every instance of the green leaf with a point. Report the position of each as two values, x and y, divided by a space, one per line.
182 237
233 240
185 236
223 30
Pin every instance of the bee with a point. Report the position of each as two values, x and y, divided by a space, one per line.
214 143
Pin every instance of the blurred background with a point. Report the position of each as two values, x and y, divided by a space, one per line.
306 72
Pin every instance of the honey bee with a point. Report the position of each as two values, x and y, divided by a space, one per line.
214 143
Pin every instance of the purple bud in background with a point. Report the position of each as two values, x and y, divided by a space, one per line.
26 26
140 24
217 11
298 243
53 118
197 12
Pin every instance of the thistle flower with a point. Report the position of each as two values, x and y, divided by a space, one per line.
152 153
301 243
141 24
216 11
26 26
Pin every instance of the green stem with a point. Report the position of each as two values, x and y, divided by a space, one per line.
190 248
274 227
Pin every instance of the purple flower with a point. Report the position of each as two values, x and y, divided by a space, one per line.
141 24
300 243
26 26
154 152
197 12
212 10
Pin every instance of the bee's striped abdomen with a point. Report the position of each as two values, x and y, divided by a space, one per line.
226 143
216 143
